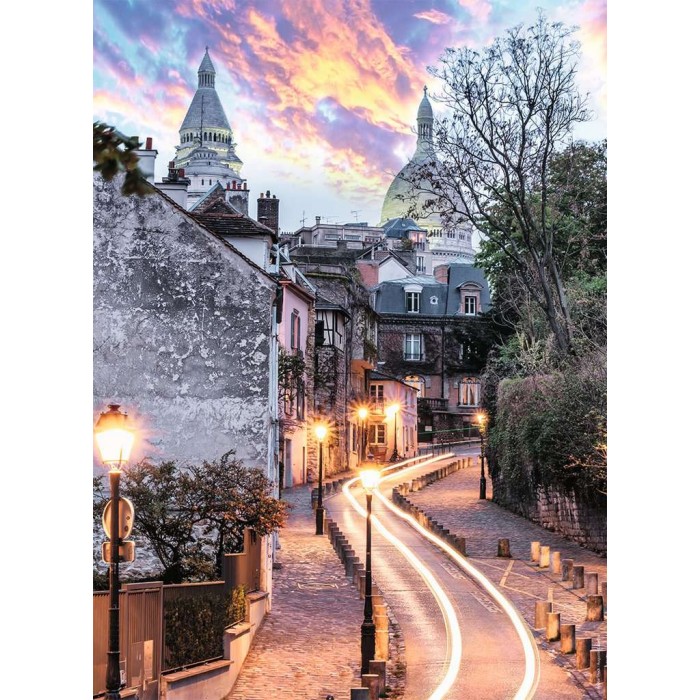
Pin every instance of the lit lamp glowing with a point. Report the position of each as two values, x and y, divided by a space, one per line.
321 431
362 414
483 422
114 439
392 410
370 480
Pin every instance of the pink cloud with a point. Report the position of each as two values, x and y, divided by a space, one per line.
478 9
434 16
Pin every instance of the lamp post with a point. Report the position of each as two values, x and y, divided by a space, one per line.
483 421
321 430
370 480
362 414
393 409
114 440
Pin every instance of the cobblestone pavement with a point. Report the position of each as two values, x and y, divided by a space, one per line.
454 503
309 645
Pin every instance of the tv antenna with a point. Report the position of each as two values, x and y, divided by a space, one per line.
355 212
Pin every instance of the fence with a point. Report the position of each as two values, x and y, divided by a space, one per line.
167 627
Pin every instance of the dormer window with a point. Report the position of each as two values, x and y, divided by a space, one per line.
470 298
470 305
412 294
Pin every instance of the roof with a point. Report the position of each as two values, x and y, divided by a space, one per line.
390 295
206 66
425 109
206 111
398 227
375 374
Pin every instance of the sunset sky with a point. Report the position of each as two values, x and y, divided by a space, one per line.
321 94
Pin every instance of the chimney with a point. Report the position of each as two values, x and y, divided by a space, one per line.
318 221
269 211
440 273
147 160
175 185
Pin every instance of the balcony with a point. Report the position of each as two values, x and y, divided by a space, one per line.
432 404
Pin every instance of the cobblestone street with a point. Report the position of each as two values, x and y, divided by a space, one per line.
309 645
454 503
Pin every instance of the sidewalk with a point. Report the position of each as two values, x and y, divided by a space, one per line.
309 645
454 503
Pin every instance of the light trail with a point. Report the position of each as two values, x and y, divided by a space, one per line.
532 660
454 636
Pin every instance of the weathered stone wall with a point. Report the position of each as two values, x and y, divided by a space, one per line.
181 331
563 512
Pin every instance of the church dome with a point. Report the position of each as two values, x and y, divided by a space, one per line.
425 109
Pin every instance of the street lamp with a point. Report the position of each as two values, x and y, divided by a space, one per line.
483 422
321 431
114 440
392 410
370 481
362 414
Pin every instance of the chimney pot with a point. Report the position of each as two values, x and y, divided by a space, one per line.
261 195
267 194
149 143
171 164
181 172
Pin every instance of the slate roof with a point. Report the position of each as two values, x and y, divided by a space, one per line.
398 228
233 224
205 111
390 297
206 66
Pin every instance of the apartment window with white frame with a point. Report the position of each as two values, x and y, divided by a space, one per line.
377 434
420 263
412 346
470 305
412 302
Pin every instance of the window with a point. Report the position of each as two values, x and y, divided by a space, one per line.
412 302
470 305
418 382
300 400
450 234
330 327
377 434
412 346
420 263
295 331
376 396
469 391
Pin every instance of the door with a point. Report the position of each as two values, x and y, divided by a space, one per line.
288 476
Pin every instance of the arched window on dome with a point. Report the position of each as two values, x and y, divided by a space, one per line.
417 382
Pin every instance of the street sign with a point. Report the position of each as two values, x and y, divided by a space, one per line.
126 518
127 552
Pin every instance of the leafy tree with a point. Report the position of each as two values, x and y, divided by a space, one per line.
512 107
112 152
191 515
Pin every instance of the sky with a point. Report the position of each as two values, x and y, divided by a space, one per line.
321 95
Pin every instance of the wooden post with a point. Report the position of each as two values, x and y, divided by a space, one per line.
568 638
542 607
592 583
605 681
552 632
583 653
597 665
594 608
544 557
504 548
381 649
567 569
604 593
556 562
535 551
577 578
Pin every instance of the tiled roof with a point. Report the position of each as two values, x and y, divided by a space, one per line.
232 224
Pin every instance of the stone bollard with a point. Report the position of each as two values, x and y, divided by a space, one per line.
359 694
542 608
583 653
378 605
598 662
594 608
605 681
556 562
592 583
552 632
381 637
362 575
346 552
604 593
379 667
544 557
350 564
359 569
535 551
503 548
371 681
568 638
567 569
461 546
577 577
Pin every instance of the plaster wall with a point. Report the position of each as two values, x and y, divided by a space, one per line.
181 332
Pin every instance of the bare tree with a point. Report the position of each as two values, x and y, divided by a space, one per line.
512 106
